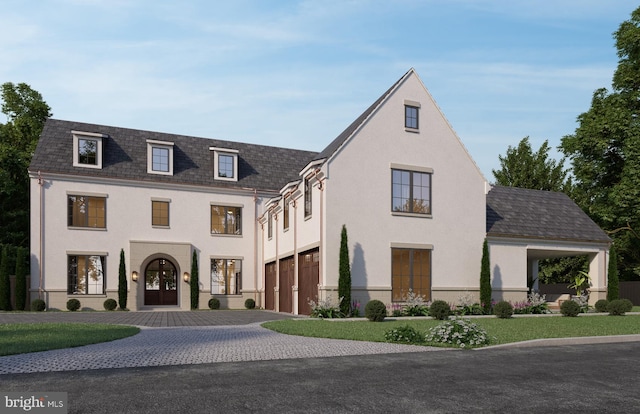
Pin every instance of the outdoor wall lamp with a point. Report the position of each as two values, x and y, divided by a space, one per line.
185 276
134 276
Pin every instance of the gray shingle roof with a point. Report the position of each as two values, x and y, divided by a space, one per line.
125 157
518 212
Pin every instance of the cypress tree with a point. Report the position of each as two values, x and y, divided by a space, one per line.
344 280
21 278
485 279
612 276
122 282
5 282
195 283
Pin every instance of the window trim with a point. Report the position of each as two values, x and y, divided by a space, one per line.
168 203
87 227
407 125
91 136
238 286
411 170
217 153
151 144
225 206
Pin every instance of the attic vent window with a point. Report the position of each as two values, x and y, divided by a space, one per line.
225 164
411 118
87 149
159 157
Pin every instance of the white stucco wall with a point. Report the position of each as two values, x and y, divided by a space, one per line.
128 210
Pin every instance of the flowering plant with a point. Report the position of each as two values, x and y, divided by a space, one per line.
404 334
459 332
415 305
325 308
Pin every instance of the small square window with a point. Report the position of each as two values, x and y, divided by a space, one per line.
225 164
87 149
160 213
159 157
226 220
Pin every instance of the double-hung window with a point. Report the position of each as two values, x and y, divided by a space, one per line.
226 220
87 149
85 274
86 211
411 270
226 276
411 191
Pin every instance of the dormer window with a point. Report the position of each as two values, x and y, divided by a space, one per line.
411 112
225 164
87 149
159 157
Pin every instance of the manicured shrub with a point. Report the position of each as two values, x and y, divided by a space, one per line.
122 282
38 305
601 305
73 305
214 303
194 283
461 333
404 334
250 304
375 311
503 309
485 279
439 310
110 304
619 307
21 277
5 286
570 308
344 274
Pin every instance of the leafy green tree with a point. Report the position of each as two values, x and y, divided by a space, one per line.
613 287
26 113
5 282
195 282
605 153
21 278
122 282
485 279
344 274
523 168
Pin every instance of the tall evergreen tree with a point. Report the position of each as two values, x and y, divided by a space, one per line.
605 153
5 282
122 282
344 273
485 279
21 278
195 282
613 286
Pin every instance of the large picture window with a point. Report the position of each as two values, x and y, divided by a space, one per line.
87 211
86 275
226 220
411 192
226 276
410 269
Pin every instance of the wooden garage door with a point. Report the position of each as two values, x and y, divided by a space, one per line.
308 279
286 283
269 286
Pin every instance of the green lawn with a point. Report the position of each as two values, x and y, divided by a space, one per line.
501 331
33 337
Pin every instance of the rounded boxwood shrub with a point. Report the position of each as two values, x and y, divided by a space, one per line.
375 311
619 307
73 305
439 310
214 303
250 304
503 309
601 305
570 308
38 305
110 304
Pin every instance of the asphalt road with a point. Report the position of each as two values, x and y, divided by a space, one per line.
573 378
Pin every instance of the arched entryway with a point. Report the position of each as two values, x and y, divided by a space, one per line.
160 283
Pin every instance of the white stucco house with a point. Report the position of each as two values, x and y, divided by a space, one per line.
265 222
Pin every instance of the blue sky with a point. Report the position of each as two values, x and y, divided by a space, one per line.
296 73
